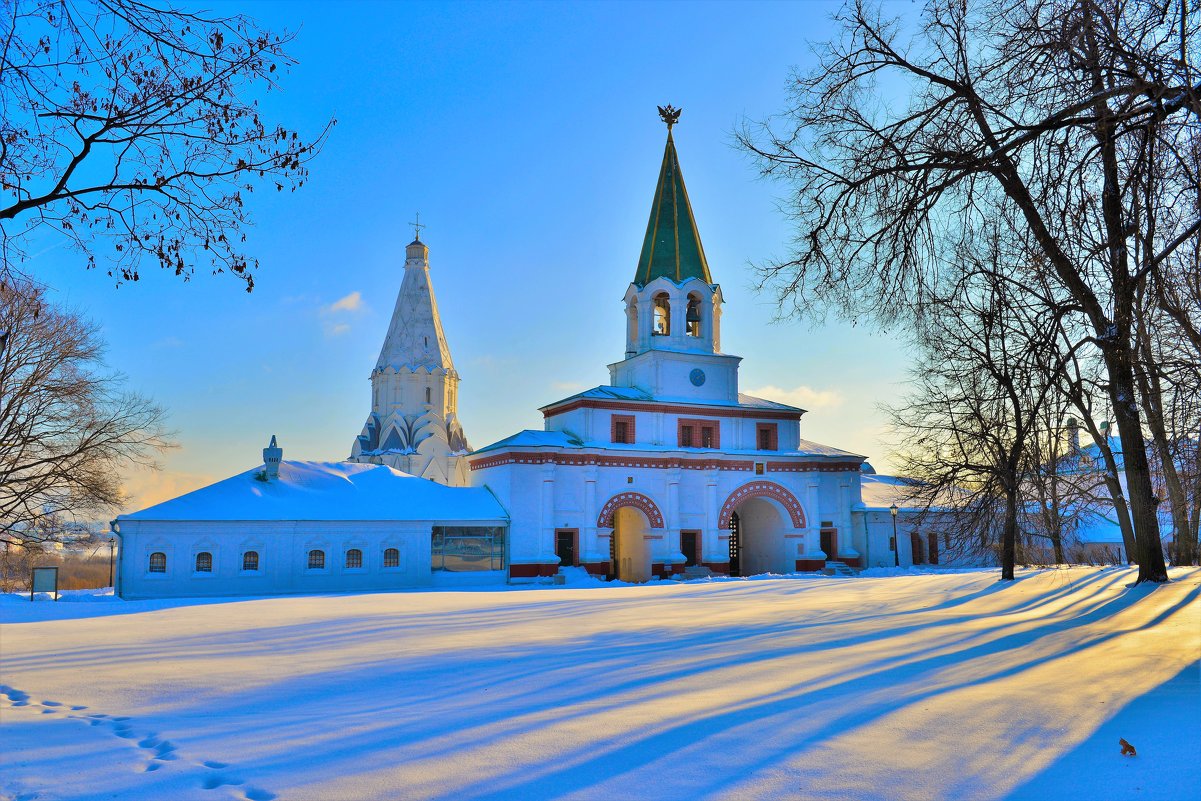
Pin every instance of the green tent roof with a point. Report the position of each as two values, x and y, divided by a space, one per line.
672 247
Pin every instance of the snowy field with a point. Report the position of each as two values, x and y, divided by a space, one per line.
914 686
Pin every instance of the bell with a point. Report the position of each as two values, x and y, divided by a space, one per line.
694 313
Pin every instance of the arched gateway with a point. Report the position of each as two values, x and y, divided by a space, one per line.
758 516
632 516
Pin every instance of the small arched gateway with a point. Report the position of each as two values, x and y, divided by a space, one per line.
760 516
633 517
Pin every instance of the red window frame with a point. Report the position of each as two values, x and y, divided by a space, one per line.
628 419
700 429
773 436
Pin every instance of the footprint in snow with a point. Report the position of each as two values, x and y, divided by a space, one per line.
158 751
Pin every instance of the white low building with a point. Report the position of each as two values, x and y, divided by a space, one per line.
303 527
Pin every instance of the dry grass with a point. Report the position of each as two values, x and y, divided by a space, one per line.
76 571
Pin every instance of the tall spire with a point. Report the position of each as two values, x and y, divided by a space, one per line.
672 246
415 337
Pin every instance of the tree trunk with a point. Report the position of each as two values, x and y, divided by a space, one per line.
1153 405
1149 556
1009 535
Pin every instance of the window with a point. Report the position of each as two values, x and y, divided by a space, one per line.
250 560
204 562
429 395
467 548
693 318
316 560
158 562
354 558
622 428
662 324
767 436
697 433
391 557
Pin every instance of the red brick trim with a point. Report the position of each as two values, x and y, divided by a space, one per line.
773 441
801 467
635 499
809 565
762 489
700 462
722 568
673 408
628 419
699 425
596 568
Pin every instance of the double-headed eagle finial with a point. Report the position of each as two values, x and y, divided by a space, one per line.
670 115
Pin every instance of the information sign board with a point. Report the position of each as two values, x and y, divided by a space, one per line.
44 579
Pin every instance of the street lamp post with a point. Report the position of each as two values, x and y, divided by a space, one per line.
115 529
896 544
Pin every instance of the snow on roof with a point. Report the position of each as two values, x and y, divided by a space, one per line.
328 491
635 394
881 492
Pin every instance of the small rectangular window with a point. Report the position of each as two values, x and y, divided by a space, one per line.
686 437
250 560
708 439
316 560
767 435
354 558
622 428
391 557
158 562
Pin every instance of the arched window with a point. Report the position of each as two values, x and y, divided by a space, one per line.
391 557
693 318
204 562
429 395
250 560
316 560
354 558
662 325
158 562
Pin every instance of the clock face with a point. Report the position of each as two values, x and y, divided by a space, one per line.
697 377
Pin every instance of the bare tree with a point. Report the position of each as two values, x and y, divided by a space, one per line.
983 386
67 426
134 131
1066 116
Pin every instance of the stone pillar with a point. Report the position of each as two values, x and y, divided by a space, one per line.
594 544
715 542
672 558
810 556
846 535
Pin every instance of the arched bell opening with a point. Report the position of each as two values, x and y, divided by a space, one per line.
662 315
757 529
693 319
631 328
631 551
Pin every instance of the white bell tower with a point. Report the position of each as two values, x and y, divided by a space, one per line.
414 424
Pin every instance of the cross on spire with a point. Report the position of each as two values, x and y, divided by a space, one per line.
417 226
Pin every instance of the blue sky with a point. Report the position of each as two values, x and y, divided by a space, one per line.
527 137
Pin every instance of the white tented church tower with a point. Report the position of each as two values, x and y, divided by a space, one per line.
414 423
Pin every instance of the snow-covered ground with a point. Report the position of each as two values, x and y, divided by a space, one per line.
908 686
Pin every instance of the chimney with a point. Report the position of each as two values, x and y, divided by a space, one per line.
272 455
1073 436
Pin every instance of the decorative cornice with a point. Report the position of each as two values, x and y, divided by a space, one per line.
699 462
670 407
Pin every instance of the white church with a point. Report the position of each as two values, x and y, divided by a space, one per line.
668 468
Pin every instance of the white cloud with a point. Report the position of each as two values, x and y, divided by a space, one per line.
337 330
805 397
567 386
350 303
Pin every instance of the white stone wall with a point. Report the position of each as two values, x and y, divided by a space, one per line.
283 548
541 498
